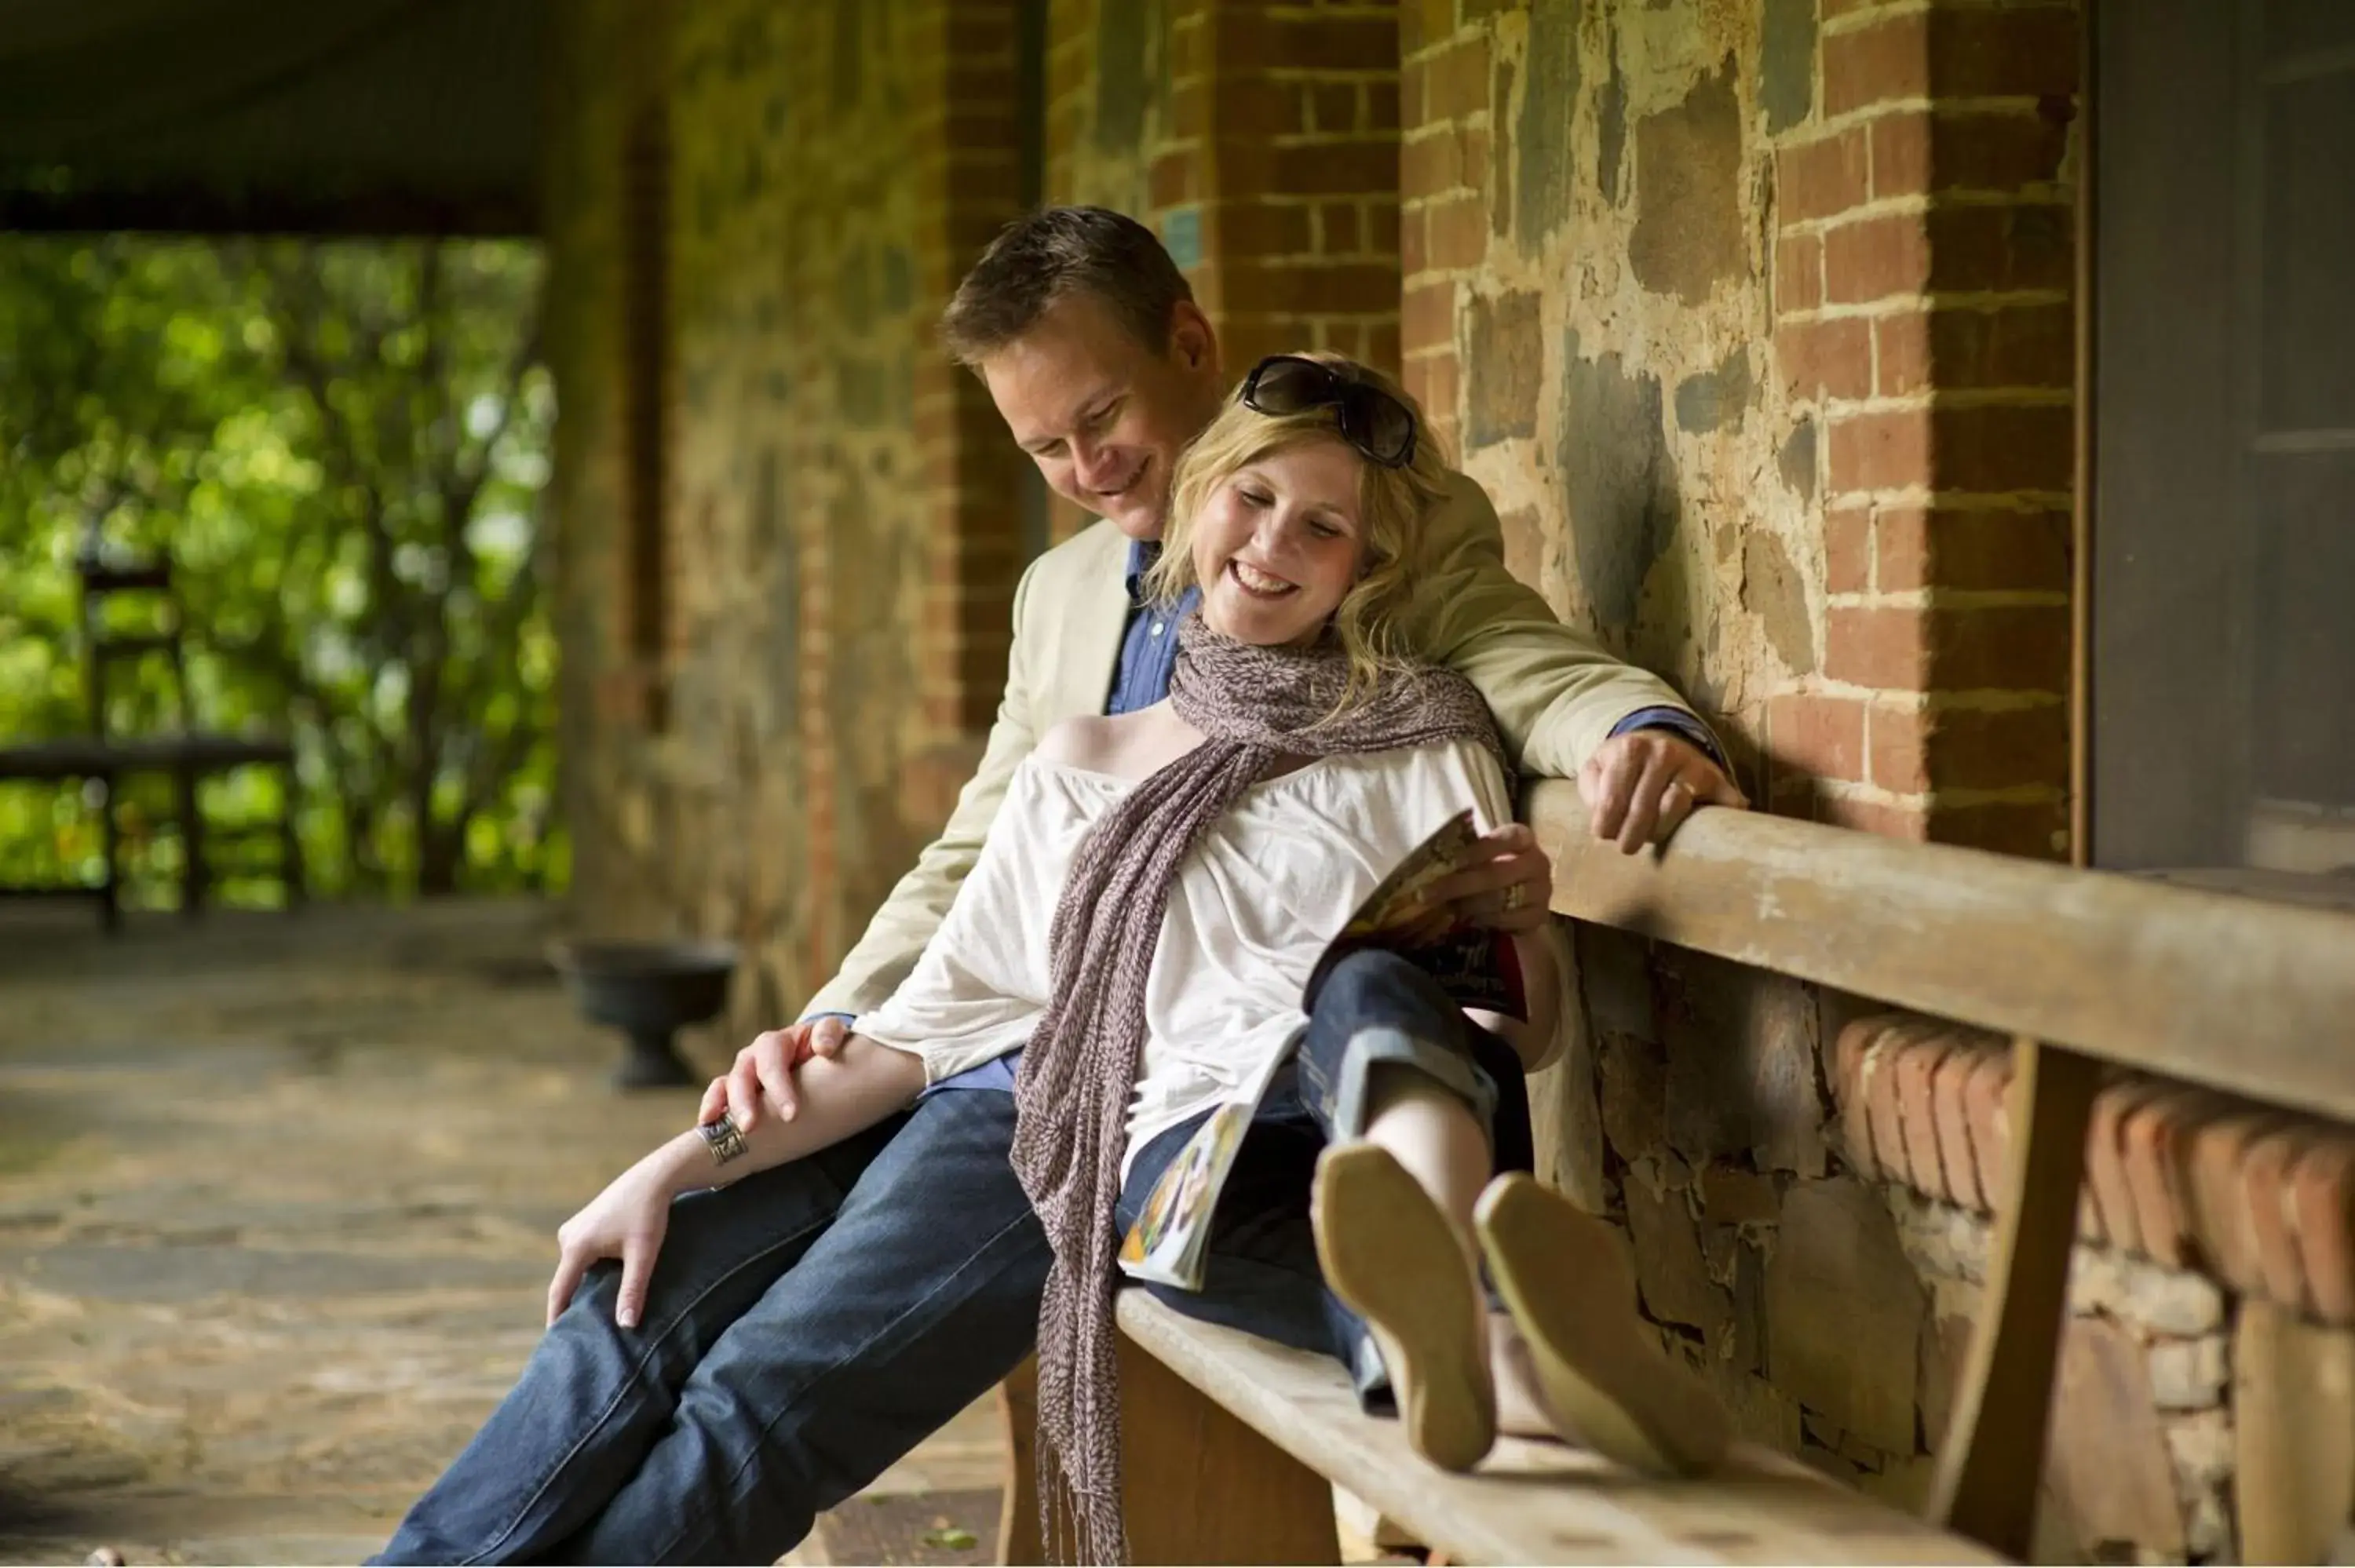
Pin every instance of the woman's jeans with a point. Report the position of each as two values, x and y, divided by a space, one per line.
807 1326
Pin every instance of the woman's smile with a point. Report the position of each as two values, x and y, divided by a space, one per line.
1257 583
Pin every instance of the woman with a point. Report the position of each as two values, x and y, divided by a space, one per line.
1148 907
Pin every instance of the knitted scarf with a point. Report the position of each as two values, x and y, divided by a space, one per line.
1256 705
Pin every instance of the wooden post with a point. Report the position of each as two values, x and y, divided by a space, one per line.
1018 1541
1202 1486
1993 1457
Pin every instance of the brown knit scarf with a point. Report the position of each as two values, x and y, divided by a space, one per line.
1256 705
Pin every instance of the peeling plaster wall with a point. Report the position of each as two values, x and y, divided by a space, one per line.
1616 401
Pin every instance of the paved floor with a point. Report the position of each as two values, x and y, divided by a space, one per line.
277 1207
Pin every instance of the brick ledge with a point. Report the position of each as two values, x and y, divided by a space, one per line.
2260 1199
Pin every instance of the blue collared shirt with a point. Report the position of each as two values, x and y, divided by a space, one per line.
1148 652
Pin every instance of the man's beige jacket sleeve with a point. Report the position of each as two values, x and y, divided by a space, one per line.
895 939
1555 691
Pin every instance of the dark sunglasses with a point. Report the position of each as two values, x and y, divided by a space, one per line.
1380 425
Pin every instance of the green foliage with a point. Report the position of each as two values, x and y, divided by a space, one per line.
342 448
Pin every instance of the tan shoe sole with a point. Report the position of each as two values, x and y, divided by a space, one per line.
1389 1254
1567 1281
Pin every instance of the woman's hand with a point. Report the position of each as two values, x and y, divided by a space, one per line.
627 1220
1505 885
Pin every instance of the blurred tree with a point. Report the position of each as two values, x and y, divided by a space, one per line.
342 446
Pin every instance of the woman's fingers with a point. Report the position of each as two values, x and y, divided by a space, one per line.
715 1102
638 1252
571 1264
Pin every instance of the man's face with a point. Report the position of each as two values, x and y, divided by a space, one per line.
1102 415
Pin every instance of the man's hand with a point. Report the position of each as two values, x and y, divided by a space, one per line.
761 1082
1505 886
1639 787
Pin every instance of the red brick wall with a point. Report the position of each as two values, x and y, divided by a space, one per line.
1923 303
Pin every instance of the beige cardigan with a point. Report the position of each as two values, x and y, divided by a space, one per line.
1555 694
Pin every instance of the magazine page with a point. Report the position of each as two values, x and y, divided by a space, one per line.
1476 967
1170 1241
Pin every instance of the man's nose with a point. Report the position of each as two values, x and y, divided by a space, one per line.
1090 463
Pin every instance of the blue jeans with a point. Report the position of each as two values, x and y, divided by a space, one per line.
809 1324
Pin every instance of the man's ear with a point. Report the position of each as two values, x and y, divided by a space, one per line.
1193 345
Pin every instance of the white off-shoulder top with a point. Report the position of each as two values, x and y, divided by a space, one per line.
1251 911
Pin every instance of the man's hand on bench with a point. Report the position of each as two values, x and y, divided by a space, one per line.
760 1084
1639 787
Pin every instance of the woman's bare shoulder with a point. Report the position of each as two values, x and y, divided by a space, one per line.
1084 740
1127 746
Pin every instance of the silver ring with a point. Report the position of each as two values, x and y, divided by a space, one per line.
1516 895
722 1139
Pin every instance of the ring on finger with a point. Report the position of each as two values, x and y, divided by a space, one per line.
1516 895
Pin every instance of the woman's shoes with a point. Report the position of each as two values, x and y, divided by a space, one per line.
1601 1373
1391 1256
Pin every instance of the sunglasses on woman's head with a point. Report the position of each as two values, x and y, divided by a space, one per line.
1377 425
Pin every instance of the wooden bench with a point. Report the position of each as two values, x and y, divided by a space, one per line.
185 755
1234 1443
1234 1446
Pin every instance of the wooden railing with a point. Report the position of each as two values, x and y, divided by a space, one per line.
2080 968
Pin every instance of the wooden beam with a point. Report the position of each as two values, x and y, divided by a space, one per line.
2253 997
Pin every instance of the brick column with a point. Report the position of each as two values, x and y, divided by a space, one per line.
1923 303
1289 122
1266 159
1443 175
967 137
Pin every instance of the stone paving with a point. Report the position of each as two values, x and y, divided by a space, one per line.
277 1200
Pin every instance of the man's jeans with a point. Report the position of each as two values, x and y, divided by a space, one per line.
809 1324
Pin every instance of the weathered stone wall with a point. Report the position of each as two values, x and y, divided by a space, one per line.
1757 326
760 752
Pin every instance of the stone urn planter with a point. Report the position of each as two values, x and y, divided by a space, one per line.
648 991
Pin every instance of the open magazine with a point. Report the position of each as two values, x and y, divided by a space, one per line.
1476 967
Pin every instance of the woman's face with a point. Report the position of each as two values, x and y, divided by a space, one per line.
1277 545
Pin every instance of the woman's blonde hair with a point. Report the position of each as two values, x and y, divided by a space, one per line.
1391 506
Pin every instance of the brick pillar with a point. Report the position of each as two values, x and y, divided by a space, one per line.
1922 304
1289 118
1444 171
967 136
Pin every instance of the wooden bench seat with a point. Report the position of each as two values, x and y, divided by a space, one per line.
1232 1445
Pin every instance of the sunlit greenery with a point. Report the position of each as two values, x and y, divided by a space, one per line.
343 447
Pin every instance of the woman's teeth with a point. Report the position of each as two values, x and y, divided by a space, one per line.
1255 581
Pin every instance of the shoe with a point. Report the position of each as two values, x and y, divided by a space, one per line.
1602 1374
1393 1257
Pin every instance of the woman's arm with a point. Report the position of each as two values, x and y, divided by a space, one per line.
629 1218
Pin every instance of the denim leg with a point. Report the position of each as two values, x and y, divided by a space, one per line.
922 1294
1263 1274
594 1397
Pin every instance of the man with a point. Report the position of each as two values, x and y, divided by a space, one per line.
811 1324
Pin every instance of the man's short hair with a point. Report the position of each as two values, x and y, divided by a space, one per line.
1051 254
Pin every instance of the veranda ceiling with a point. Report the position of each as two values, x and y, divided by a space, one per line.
280 116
